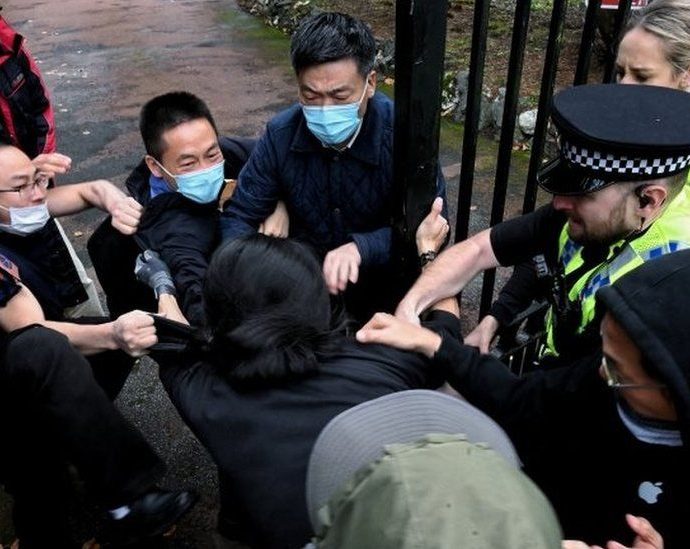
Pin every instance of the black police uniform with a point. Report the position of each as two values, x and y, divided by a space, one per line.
642 139
572 432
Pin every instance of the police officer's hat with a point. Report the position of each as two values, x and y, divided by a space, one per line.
614 132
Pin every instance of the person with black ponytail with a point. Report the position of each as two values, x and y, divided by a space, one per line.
278 365
265 302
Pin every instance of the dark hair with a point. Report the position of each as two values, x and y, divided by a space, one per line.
332 36
167 111
268 310
676 183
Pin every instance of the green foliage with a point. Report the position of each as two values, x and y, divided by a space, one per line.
542 5
500 25
458 50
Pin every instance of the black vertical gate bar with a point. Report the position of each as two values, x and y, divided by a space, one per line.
621 16
420 39
553 48
474 98
588 33
505 147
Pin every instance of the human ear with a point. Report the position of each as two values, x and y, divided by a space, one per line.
684 82
642 197
371 81
651 198
152 165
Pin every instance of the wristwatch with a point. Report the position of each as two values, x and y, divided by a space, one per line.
427 257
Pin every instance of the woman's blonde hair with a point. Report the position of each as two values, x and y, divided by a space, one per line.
669 20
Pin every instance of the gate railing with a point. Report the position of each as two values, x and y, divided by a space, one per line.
418 101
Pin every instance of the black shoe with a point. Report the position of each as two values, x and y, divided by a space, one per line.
151 515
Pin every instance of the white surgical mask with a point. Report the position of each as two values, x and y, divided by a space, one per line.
26 220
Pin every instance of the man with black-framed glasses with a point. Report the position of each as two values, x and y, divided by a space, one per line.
54 406
608 435
40 180
31 243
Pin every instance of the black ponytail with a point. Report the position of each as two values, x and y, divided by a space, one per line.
268 310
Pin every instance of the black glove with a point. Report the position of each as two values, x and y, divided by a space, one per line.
152 271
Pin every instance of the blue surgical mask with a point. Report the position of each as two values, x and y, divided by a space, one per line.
202 186
333 124
26 220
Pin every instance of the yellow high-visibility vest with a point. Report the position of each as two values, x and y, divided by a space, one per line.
669 233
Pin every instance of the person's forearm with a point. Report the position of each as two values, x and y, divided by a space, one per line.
448 304
187 267
87 338
101 194
70 199
168 306
255 196
23 309
519 404
449 273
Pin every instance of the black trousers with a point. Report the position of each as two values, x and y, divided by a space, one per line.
53 413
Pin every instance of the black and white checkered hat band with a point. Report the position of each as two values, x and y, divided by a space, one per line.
621 164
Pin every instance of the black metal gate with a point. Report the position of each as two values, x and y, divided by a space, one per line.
420 35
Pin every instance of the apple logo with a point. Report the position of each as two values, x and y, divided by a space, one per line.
649 492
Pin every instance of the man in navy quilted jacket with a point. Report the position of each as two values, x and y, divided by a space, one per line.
330 159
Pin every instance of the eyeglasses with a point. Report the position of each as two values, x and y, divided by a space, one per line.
613 381
41 180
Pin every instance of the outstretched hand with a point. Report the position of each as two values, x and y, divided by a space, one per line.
389 330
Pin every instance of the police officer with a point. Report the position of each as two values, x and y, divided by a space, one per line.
618 201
